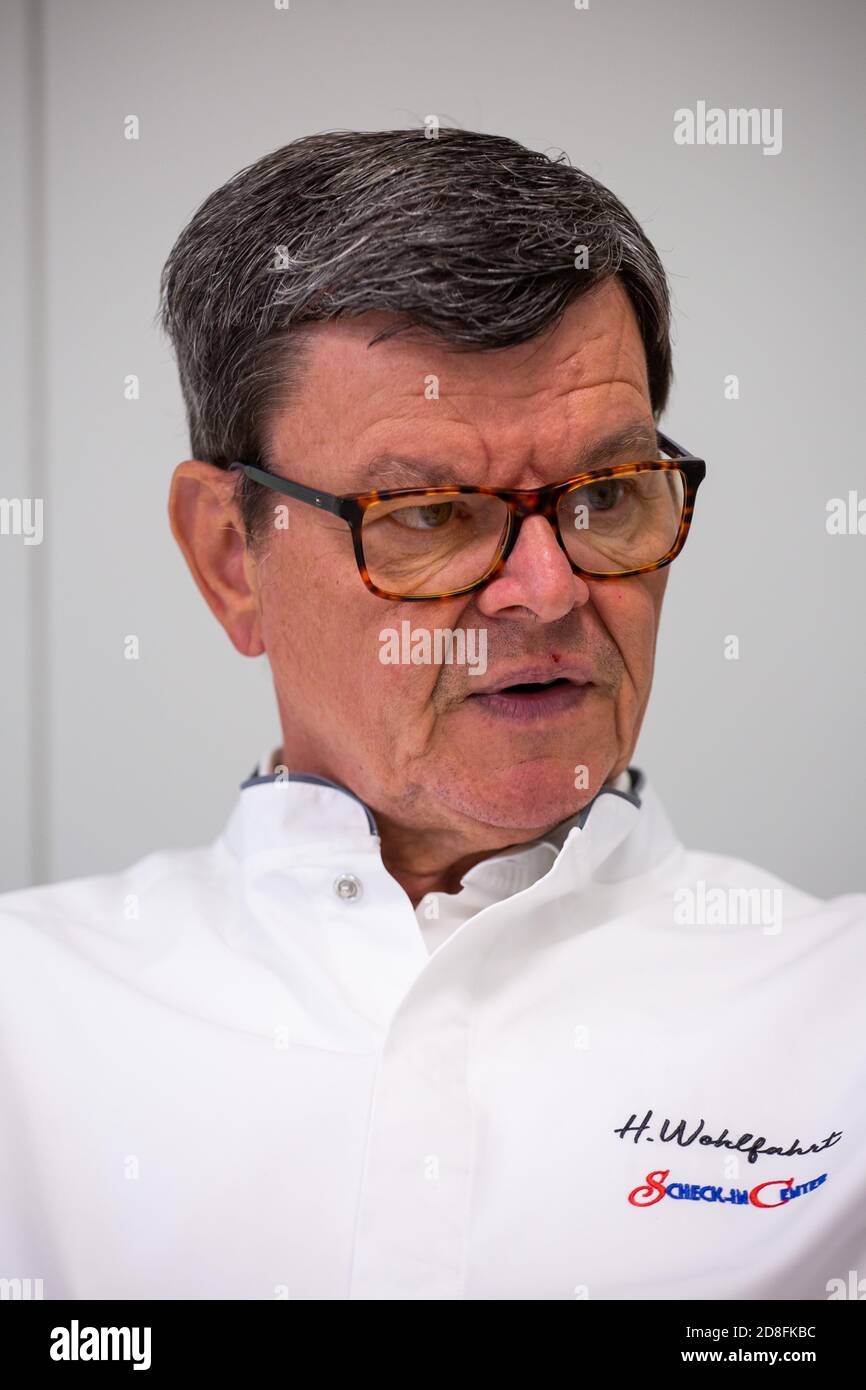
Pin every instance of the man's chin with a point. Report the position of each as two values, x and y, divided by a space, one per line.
531 796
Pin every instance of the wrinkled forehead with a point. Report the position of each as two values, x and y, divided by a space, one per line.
413 397
376 357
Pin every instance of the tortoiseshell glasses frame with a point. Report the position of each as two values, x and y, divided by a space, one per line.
521 503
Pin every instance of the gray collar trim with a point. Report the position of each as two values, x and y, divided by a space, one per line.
256 781
638 782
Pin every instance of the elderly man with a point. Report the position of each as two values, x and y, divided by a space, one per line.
447 1011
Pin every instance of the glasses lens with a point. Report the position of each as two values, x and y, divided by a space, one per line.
424 545
624 522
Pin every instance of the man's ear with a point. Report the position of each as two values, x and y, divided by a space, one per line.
207 525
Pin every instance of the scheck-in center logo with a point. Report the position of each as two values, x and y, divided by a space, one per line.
776 1192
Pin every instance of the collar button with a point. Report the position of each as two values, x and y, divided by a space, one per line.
348 887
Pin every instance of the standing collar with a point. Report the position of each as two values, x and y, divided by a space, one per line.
319 809
257 779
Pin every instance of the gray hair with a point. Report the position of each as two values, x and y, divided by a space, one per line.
470 236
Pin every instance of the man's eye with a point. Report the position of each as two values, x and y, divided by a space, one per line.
429 518
603 496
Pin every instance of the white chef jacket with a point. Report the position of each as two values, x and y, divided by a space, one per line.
239 1072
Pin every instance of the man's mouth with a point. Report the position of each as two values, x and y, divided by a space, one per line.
533 697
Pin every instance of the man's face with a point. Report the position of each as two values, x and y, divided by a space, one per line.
420 743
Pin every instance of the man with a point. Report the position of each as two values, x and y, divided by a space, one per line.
447 1011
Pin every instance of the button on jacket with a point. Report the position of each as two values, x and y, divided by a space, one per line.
248 1071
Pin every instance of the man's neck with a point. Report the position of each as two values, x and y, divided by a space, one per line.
423 863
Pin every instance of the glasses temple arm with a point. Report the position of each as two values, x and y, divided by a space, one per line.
325 501
671 448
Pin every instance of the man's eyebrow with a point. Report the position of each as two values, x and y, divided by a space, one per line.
637 439
390 470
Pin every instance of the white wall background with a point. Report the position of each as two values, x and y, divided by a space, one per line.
105 759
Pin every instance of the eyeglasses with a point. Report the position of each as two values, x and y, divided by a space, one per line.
439 542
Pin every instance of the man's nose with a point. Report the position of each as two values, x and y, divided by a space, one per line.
537 578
